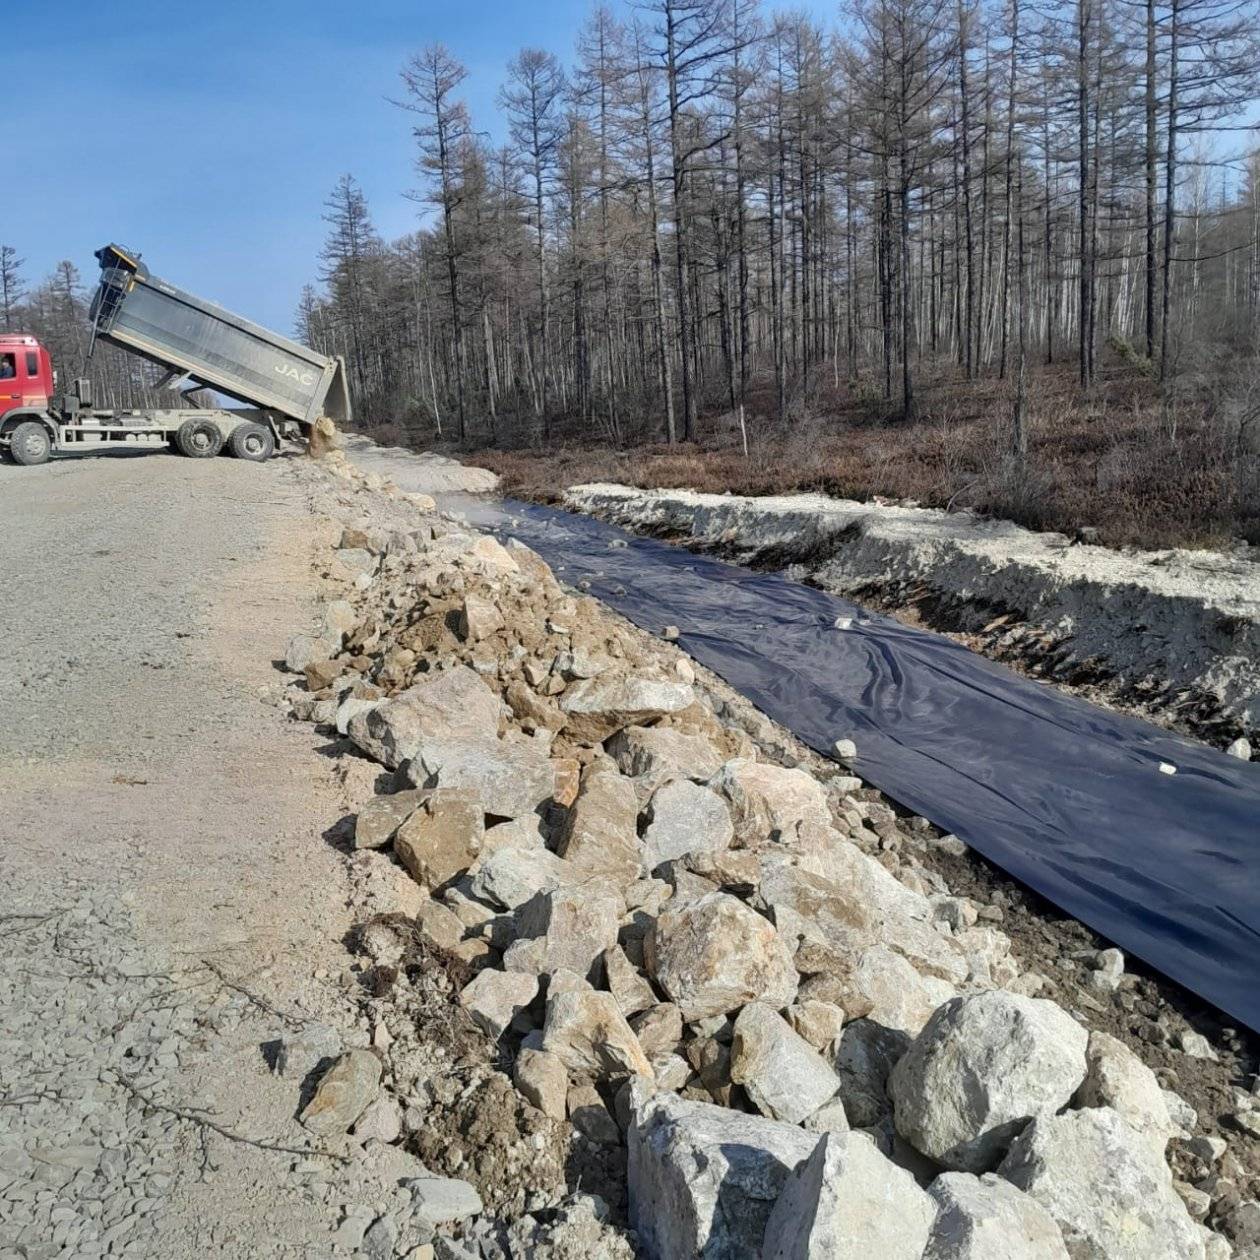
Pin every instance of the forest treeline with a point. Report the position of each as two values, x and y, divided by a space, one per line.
715 208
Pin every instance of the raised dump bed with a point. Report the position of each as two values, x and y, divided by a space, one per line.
188 336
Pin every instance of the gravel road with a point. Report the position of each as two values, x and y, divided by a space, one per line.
168 905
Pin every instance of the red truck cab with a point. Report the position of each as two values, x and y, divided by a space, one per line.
26 374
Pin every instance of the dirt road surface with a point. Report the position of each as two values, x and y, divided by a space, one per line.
167 902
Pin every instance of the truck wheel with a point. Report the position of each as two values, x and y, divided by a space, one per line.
252 441
30 443
199 439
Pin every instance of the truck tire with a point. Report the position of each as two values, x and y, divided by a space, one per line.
252 441
199 439
30 444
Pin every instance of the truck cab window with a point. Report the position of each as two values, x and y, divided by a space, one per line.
8 367
32 363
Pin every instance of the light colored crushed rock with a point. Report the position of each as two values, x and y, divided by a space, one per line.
1110 1193
588 1033
343 1093
685 818
980 1069
715 954
847 1199
986 1218
785 1077
1145 614
677 923
704 1179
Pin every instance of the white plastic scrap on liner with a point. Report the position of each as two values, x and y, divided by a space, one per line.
843 623
1166 768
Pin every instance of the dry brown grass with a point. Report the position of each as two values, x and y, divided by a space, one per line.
1114 462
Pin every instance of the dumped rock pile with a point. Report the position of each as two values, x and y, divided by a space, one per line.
617 943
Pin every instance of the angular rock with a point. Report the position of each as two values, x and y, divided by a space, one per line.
349 709
632 992
820 1023
442 837
659 1029
831 1117
848 1199
981 1069
588 1034
512 777
601 831
568 928
343 1093
479 618
512 876
661 752
986 1218
865 1058
1117 1078
1109 1192
850 902
883 987
599 707
495 998
382 816
438 1200
714 955
544 1080
452 704
773 805
703 1179
685 819
306 649
783 1075
439 927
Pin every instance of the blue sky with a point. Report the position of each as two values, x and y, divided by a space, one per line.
207 135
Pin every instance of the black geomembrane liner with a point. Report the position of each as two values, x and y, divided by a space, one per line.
1067 797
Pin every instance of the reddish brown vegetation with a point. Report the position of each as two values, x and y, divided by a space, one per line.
1140 473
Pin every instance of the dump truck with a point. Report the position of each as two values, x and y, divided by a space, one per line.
283 387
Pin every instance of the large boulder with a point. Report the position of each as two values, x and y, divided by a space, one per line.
596 708
982 1068
1117 1078
452 704
686 818
662 752
601 831
986 1218
587 1032
1109 1191
849 1199
714 954
703 1179
512 776
773 805
784 1076
441 838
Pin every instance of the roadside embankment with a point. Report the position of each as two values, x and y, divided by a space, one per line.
644 976
1174 634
